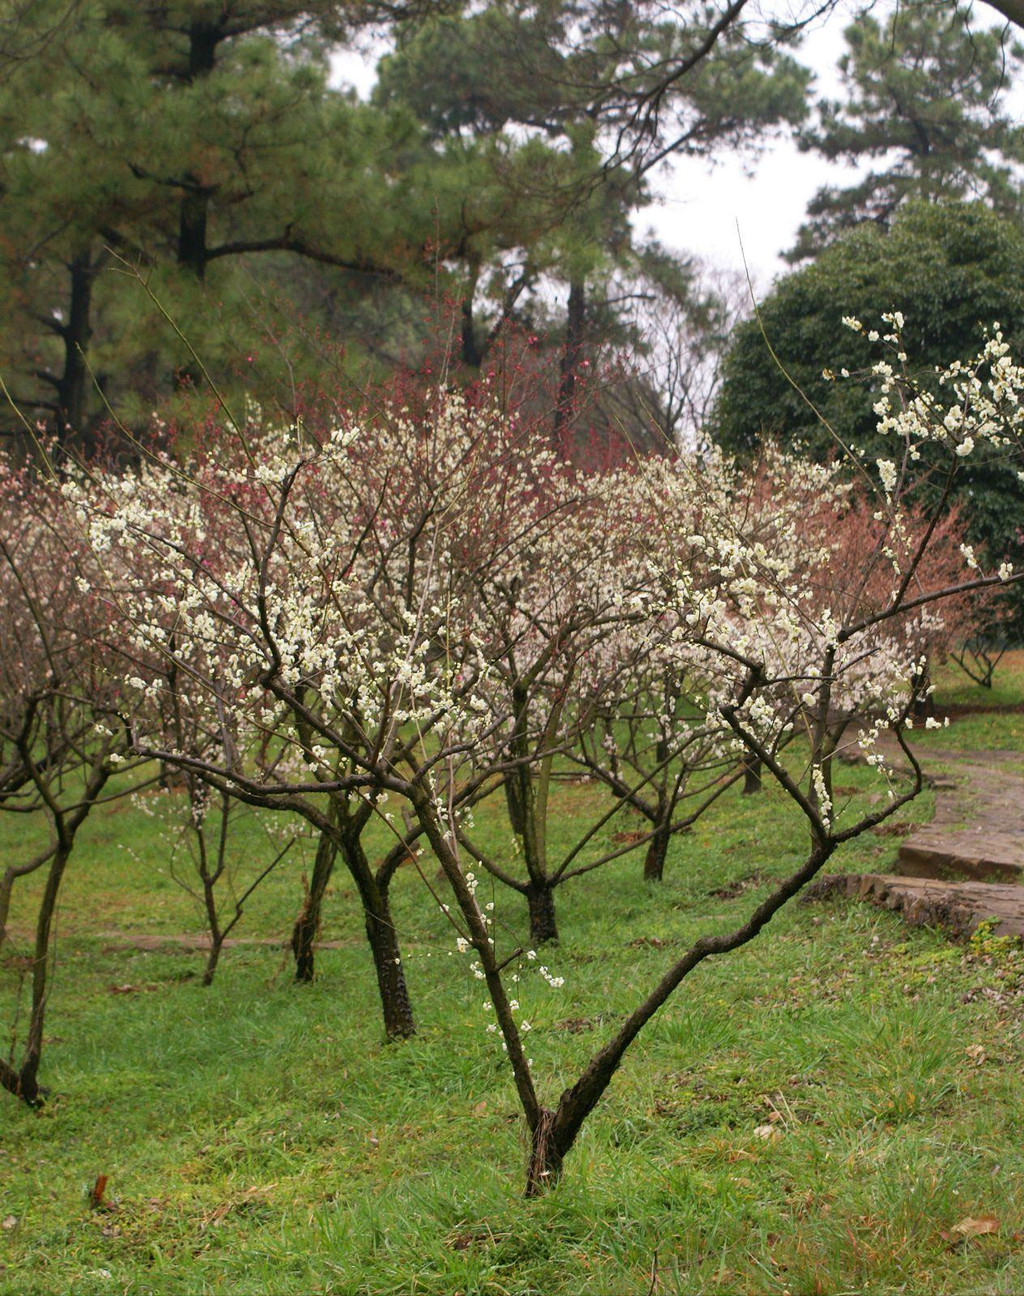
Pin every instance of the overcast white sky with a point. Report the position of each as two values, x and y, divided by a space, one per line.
734 209
709 210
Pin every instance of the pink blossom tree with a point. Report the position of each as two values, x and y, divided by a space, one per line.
60 731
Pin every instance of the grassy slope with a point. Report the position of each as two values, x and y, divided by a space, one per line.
993 725
259 1138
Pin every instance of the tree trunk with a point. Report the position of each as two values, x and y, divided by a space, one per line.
194 206
544 1167
212 959
6 889
543 924
572 354
24 1082
444 849
28 1085
73 387
209 881
380 932
10 1079
924 701
193 211
307 924
192 218
751 776
472 355
657 850
387 960
827 747
526 797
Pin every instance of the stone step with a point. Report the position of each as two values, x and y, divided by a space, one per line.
978 854
977 832
957 907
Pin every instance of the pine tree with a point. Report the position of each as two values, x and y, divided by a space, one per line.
565 107
185 141
926 109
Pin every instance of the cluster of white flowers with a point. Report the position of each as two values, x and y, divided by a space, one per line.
436 595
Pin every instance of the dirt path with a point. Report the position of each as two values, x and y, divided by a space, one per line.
198 942
978 828
966 867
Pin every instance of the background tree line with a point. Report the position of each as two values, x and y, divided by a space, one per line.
290 227
183 191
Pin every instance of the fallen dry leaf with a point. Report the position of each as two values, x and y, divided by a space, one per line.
239 1202
971 1227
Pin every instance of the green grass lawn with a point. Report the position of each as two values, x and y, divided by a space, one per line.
991 724
815 1114
955 688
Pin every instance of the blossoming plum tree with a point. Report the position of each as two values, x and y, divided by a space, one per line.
645 733
332 594
195 565
310 598
59 734
789 655
564 628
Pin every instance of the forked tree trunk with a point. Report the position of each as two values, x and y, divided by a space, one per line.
344 836
387 960
751 776
555 1132
383 938
657 851
307 924
543 923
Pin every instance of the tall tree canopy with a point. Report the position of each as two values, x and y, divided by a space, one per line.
563 107
188 139
500 162
925 108
952 269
